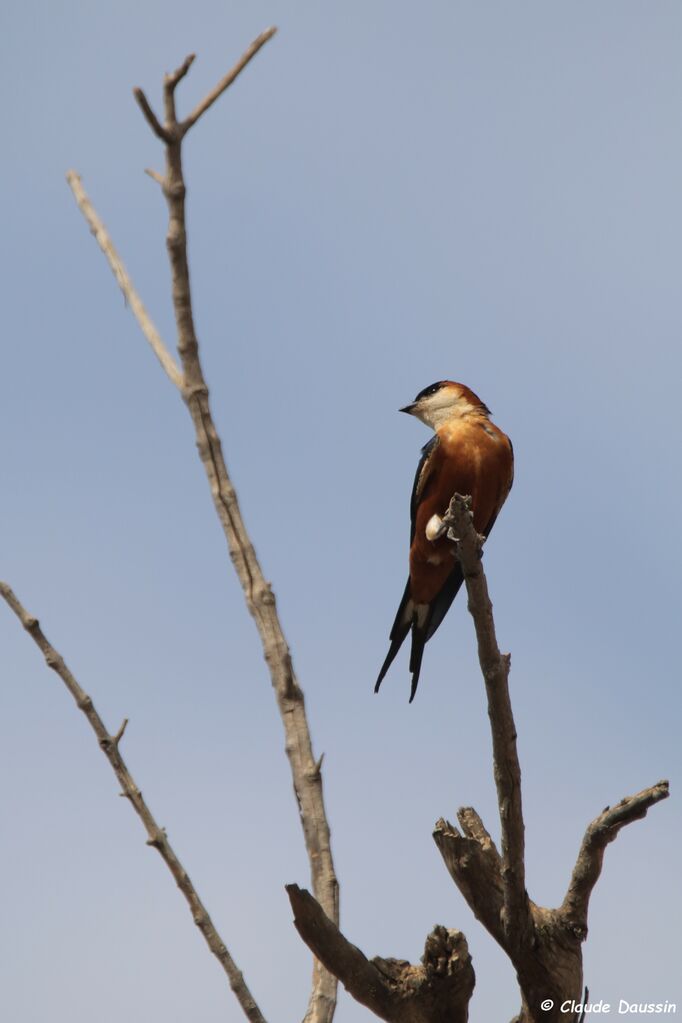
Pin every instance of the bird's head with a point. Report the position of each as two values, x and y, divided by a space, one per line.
445 400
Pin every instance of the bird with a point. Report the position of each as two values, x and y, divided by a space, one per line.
467 455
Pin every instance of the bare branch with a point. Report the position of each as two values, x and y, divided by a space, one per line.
150 117
328 944
169 84
229 78
394 989
495 669
600 832
157 835
171 80
124 282
155 176
120 733
260 599
475 866
473 827
544 945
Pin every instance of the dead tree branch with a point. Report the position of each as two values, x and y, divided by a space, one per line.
544 945
227 81
119 271
150 117
506 768
600 832
260 599
436 991
475 866
109 744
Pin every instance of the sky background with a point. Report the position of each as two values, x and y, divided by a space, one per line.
391 194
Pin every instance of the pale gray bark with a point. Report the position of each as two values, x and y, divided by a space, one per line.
260 599
544 945
157 837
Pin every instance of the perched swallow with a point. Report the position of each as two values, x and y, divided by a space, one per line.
468 455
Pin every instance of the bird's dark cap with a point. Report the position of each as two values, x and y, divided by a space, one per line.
431 389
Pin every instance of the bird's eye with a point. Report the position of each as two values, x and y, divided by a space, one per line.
429 390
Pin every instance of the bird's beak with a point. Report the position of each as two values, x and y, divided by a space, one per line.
410 409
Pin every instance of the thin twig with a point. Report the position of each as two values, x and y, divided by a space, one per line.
155 176
507 771
170 82
156 835
121 732
124 282
599 833
225 82
176 76
150 117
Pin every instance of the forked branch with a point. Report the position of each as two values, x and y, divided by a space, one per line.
475 866
258 593
110 746
544 945
507 771
438 989
228 79
601 831
101 235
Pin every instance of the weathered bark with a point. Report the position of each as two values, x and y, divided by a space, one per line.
157 837
260 599
600 832
544 945
437 990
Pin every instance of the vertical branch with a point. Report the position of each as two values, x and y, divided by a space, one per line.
516 916
258 593
544 945
260 600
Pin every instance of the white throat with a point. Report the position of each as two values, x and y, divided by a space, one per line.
437 409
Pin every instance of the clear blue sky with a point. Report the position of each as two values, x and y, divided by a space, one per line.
390 195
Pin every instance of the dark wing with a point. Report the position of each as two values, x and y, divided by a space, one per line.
421 476
440 605
403 619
